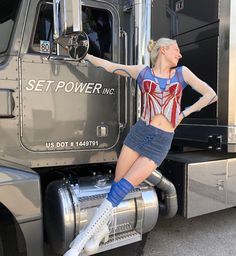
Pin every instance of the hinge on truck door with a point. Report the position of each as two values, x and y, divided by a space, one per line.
122 126
215 142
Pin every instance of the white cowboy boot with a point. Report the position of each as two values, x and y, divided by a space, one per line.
92 245
99 220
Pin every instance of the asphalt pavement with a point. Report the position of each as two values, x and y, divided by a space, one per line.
206 235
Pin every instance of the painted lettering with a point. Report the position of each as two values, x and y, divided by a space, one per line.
62 144
69 87
89 88
97 88
30 86
49 85
40 85
50 145
108 91
80 87
61 84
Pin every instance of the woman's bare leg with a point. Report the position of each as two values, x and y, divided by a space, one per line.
140 170
125 161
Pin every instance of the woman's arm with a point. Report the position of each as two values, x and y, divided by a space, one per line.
119 69
208 94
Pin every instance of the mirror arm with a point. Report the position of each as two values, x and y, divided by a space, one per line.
56 4
77 15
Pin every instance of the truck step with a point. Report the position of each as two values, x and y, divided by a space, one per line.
95 200
119 240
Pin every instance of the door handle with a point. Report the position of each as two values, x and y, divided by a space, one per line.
123 124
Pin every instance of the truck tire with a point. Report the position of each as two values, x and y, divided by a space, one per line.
8 246
1 247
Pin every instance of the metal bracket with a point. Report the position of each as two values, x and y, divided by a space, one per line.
215 142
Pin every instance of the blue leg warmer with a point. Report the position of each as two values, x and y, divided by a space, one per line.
118 191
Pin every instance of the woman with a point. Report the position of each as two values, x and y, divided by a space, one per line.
149 140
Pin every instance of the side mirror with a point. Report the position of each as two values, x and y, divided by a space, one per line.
68 26
78 45
67 17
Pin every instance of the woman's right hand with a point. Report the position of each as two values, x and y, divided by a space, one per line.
87 57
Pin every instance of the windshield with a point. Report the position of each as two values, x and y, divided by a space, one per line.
8 11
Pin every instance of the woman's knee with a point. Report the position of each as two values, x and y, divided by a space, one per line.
140 170
126 159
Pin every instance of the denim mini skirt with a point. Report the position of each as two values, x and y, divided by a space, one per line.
149 141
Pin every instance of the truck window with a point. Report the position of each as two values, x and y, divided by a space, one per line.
97 23
8 12
43 36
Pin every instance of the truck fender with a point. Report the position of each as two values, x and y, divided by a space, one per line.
20 195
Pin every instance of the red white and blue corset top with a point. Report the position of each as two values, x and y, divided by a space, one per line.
161 95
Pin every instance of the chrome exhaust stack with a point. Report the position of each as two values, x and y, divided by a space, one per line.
170 206
142 30
142 10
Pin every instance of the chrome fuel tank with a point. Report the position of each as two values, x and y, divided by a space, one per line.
69 207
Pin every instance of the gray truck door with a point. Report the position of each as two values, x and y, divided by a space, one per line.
67 105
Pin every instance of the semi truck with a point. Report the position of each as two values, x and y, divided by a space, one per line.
63 120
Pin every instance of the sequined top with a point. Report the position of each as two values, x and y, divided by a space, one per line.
161 95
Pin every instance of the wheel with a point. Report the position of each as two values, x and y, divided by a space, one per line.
8 245
1 247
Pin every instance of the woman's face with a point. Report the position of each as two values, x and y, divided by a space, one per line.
172 54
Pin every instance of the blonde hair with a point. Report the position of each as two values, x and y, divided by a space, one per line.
154 47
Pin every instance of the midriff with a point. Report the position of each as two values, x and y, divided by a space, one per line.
160 121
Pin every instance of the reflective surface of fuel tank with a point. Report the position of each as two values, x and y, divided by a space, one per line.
69 207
